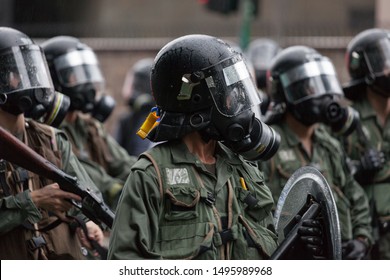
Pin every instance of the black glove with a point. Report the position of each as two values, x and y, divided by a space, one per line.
311 235
371 162
354 249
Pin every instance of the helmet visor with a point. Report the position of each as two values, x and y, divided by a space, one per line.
78 68
24 68
231 86
309 80
378 57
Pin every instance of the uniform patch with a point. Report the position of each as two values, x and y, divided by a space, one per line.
177 176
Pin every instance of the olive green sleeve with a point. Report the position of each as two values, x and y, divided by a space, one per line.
135 230
360 211
360 217
16 209
71 165
110 187
272 179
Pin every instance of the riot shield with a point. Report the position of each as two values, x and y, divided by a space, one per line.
308 195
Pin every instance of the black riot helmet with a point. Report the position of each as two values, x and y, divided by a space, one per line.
137 90
305 83
260 53
201 84
75 71
368 62
25 83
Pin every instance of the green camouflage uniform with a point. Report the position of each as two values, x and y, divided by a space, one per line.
327 157
106 162
166 210
378 189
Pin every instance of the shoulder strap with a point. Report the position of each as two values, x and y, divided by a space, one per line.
149 156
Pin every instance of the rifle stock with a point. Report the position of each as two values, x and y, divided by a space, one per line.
15 151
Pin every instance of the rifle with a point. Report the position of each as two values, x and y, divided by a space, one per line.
15 151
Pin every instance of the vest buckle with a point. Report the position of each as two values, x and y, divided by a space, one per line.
209 200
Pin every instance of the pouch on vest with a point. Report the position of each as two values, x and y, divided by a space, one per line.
187 242
258 236
251 205
182 201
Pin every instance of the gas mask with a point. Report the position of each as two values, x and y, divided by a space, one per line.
34 102
82 99
314 95
54 112
326 109
230 120
103 108
234 121
87 100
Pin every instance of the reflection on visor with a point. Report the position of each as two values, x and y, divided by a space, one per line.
79 75
77 68
314 86
235 73
76 58
310 79
231 86
23 68
307 70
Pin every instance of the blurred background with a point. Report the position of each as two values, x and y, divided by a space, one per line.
124 31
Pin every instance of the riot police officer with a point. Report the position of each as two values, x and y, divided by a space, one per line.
36 215
76 72
186 197
368 64
307 97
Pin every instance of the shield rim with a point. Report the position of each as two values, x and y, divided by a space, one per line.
315 175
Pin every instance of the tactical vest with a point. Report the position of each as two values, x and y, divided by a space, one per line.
39 241
190 226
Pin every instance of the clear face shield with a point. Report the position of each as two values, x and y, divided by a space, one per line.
25 82
231 86
235 98
310 80
23 68
79 68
